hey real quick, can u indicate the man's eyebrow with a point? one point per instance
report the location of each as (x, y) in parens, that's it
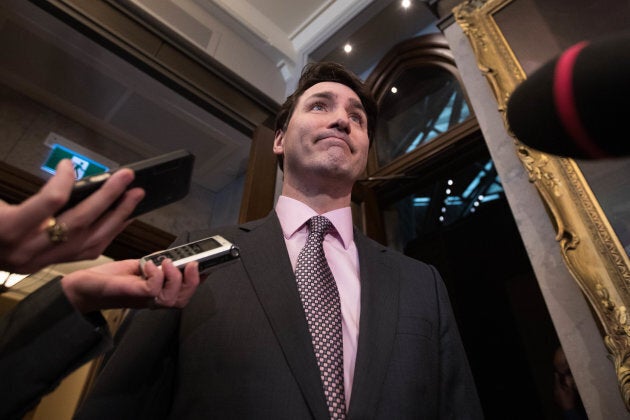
(354, 103)
(324, 95)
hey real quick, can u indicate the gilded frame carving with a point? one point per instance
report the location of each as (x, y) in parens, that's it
(589, 246)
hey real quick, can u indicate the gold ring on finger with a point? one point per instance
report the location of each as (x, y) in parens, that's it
(57, 231)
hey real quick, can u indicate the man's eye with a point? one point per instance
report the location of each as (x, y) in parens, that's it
(357, 118)
(318, 106)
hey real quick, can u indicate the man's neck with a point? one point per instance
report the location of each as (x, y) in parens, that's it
(320, 200)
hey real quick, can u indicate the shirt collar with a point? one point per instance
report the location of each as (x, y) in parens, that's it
(293, 214)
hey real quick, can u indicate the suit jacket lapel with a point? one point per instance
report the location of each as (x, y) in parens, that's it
(377, 329)
(267, 263)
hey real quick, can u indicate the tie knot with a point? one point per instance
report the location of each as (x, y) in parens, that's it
(320, 225)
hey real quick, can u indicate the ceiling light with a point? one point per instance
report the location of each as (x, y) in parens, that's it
(347, 48)
(394, 89)
(406, 3)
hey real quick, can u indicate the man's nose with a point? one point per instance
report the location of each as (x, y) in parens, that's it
(341, 122)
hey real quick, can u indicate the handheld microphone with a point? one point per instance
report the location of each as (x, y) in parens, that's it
(575, 105)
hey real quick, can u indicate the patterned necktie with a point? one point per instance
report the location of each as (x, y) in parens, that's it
(320, 299)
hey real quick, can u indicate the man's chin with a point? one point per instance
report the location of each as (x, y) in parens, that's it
(339, 173)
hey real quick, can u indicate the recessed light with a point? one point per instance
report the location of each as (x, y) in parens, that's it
(347, 48)
(394, 89)
(406, 3)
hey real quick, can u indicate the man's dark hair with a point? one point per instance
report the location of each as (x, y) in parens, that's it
(314, 73)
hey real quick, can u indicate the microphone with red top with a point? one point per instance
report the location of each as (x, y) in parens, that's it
(578, 104)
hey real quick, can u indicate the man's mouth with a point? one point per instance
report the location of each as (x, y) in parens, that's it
(334, 137)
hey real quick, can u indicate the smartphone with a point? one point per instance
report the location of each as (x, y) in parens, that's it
(208, 252)
(165, 179)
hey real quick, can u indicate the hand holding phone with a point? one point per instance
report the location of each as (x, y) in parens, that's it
(33, 234)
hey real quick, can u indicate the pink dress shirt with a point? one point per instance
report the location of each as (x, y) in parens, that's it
(343, 258)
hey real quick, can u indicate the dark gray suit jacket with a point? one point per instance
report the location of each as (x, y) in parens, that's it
(241, 348)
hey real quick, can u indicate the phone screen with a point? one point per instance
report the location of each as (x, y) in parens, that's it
(184, 251)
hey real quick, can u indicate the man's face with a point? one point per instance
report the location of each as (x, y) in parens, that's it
(326, 135)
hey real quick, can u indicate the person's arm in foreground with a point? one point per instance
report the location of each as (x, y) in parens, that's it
(58, 328)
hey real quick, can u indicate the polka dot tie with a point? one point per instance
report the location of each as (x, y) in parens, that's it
(320, 299)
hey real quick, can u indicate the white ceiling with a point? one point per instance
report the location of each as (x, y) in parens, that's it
(288, 17)
(298, 22)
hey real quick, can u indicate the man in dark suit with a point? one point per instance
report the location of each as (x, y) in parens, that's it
(244, 346)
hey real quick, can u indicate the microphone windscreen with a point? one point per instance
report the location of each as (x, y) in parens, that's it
(575, 105)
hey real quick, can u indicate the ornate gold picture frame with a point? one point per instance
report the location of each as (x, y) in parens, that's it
(590, 248)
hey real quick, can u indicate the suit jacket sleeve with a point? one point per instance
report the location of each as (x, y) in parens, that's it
(458, 393)
(137, 380)
(42, 340)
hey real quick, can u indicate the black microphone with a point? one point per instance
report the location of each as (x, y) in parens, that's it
(576, 105)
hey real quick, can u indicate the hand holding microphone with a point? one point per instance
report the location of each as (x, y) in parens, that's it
(576, 104)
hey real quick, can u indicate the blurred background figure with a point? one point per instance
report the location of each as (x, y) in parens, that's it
(565, 392)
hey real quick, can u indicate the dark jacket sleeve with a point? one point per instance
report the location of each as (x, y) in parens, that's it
(458, 393)
(137, 380)
(42, 340)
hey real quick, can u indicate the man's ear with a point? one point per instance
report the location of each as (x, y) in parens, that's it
(278, 143)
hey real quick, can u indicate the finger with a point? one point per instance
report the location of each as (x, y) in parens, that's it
(172, 283)
(129, 266)
(52, 196)
(102, 199)
(127, 204)
(189, 285)
(114, 222)
(96, 237)
(191, 276)
(154, 278)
